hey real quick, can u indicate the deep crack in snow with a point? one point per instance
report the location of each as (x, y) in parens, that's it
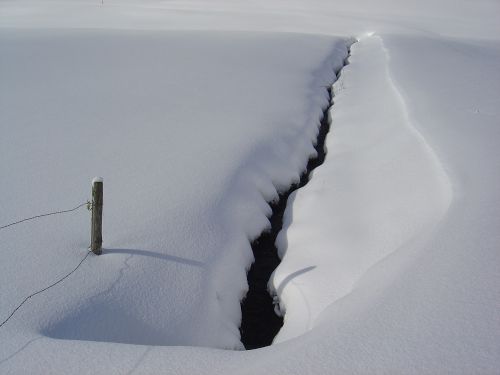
(260, 324)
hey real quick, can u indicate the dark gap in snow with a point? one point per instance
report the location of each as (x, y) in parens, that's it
(260, 324)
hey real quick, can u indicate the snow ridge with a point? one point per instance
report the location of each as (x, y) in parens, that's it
(439, 168)
(378, 168)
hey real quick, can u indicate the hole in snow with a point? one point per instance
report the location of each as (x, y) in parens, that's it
(260, 319)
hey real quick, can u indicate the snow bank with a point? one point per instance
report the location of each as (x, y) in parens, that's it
(381, 188)
(411, 237)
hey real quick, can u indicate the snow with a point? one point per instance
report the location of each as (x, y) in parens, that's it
(197, 113)
(188, 173)
(377, 156)
(392, 222)
(97, 179)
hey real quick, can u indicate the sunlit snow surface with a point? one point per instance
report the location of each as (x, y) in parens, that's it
(195, 113)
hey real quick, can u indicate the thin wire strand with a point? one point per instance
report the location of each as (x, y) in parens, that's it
(44, 289)
(42, 215)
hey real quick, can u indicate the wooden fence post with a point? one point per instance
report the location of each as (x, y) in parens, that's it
(96, 226)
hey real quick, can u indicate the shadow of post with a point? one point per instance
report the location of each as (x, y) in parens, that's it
(147, 253)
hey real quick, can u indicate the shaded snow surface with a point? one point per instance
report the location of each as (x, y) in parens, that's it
(196, 114)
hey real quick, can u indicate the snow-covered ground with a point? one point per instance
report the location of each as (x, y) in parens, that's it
(196, 113)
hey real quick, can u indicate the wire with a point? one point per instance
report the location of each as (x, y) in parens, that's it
(42, 215)
(44, 289)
